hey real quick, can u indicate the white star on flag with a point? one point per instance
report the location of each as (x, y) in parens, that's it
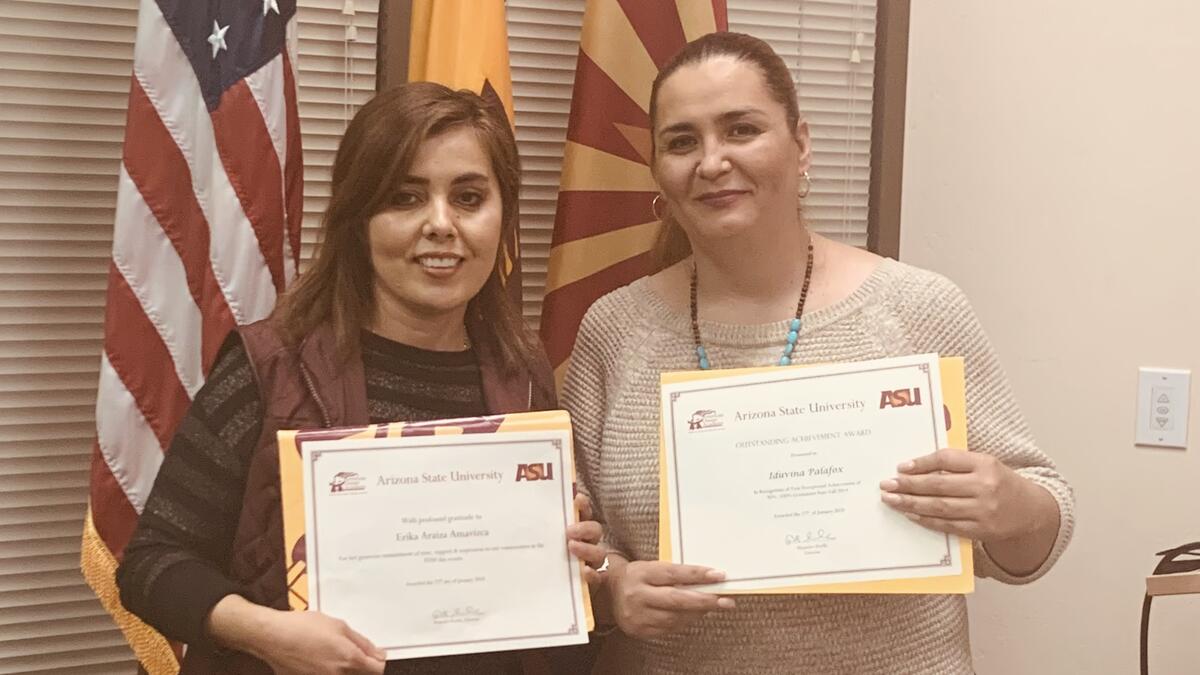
(217, 39)
(270, 5)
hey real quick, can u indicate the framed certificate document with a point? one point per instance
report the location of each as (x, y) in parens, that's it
(437, 538)
(772, 475)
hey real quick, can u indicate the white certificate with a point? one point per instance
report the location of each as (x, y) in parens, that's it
(435, 545)
(773, 477)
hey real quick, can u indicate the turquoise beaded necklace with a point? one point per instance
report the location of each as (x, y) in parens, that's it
(793, 333)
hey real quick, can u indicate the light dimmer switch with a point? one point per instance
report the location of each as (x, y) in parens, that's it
(1162, 411)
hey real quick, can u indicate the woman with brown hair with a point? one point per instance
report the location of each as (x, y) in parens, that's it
(745, 283)
(402, 317)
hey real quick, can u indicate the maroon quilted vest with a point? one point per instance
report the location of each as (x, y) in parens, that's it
(309, 387)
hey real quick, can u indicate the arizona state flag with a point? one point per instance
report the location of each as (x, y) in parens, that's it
(463, 44)
(604, 227)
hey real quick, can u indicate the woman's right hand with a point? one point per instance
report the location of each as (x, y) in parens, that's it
(649, 601)
(299, 643)
(311, 642)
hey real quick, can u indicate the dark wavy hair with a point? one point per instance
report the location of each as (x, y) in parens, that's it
(375, 154)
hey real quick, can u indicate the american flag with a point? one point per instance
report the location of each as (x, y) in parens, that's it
(207, 234)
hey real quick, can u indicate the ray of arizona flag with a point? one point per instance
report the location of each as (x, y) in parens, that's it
(604, 228)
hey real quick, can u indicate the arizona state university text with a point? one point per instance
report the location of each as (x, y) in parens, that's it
(793, 410)
(452, 477)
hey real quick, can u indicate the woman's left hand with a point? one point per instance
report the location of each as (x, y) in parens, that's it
(583, 540)
(969, 494)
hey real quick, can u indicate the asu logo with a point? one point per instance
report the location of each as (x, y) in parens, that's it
(900, 398)
(531, 472)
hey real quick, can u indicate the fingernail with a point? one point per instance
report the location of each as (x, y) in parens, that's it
(905, 467)
(889, 485)
(714, 575)
(890, 498)
(726, 603)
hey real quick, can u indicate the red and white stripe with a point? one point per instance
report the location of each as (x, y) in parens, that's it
(207, 235)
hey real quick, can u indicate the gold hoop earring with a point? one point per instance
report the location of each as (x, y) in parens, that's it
(655, 206)
(807, 185)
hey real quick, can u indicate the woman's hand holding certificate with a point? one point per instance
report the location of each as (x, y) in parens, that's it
(961, 493)
(650, 597)
(293, 643)
(583, 542)
(958, 493)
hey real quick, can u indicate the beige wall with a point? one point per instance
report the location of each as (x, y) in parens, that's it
(1052, 169)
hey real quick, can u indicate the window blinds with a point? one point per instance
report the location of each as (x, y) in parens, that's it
(543, 44)
(336, 76)
(65, 84)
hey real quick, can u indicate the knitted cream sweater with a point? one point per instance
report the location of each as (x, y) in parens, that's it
(631, 335)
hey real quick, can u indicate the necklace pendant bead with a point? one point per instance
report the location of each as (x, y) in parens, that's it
(795, 327)
(792, 336)
(785, 361)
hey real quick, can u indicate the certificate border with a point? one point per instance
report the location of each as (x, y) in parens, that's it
(572, 574)
(946, 560)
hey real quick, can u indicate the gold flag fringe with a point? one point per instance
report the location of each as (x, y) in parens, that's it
(99, 569)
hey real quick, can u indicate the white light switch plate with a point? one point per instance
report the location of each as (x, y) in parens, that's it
(1162, 411)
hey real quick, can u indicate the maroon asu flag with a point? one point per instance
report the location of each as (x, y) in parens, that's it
(604, 227)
